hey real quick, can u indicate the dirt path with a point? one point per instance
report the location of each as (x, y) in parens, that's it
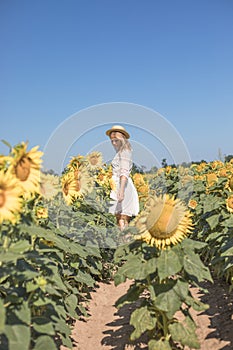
(109, 329)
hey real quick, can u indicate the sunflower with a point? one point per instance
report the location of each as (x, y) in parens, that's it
(211, 179)
(164, 222)
(229, 184)
(223, 172)
(168, 169)
(41, 212)
(49, 185)
(229, 203)
(26, 167)
(94, 160)
(216, 164)
(138, 179)
(192, 203)
(76, 184)
(76, 162)
(10, 200)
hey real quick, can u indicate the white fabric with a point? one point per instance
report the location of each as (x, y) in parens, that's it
(122, 165)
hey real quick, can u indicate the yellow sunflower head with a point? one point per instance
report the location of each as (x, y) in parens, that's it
(41, 212)
(229, 184)
(10, 197)
(76, 184)
(216, 164)
(192, 203)
(138, 179)
(94, 160)
(229, 203)
(211, 179)
(26, 168)
(200, 167)
(76, 162)
(223, 172)
(164, 222)
(168, 169)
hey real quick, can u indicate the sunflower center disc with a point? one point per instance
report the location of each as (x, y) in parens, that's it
(163, 225)
(22, 169)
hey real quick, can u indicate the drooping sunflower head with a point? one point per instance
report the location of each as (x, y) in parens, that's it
(229, 203)
(76, 184)
(164, 222)
(94, 160)
(10, 197)
(26, 167)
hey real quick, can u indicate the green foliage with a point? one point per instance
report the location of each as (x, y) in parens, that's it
(48, 268)
(160, 288)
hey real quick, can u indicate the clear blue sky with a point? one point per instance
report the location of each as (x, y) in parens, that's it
(172, 56)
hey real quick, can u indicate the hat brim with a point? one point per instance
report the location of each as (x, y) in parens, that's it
(124, 132)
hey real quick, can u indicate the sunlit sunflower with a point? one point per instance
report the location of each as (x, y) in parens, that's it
(211, 179)
(49, 185)
(10, 200)
(76, 184)
(160, 171)
(229, 184)
(26, 167)
(94, 160)
(200, 167)
(229, 204)
(168, 169)
(41, 212)
(138, 179)
(192, 203)
(216, 164)
(223, 172)
(112, 184)
(164, 222)
(199, 177)
(76, 162)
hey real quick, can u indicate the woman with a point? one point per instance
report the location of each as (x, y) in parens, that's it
(124, 199)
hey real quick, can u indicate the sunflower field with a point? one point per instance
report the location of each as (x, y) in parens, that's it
(58, 240)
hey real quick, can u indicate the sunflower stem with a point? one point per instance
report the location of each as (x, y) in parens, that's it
(165, 324)
(6, 243)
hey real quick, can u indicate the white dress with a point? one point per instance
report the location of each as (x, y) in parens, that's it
(122, 165)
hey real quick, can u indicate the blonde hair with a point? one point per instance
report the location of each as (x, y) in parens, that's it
(125, 144)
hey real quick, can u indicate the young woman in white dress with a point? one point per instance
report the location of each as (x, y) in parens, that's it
(124, 201)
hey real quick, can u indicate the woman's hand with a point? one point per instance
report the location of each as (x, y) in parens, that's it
(120, 196)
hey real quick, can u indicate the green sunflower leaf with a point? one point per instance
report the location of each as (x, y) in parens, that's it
(142, 320)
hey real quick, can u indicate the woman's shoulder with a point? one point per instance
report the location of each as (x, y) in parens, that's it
(126, 153)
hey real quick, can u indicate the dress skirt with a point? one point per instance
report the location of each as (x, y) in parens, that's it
(130, 204)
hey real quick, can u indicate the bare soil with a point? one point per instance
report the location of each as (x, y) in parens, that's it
(108, 328)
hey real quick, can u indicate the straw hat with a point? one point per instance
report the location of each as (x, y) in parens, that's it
(118, 128)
